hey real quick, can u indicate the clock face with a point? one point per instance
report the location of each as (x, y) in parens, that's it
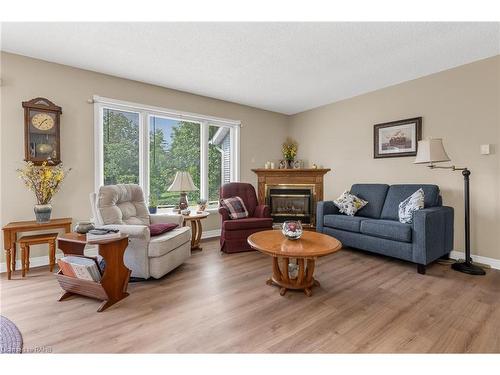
(42, 121)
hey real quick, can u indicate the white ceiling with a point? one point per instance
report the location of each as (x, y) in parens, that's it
(282, 67)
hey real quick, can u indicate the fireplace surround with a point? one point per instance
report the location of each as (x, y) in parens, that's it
(291, 194)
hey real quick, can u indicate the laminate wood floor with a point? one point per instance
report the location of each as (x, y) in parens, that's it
(220, 303)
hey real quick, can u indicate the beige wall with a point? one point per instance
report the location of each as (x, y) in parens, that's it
(24, 78)
(460, 105)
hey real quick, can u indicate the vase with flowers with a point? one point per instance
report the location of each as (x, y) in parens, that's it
(45, 181)
(289, 151)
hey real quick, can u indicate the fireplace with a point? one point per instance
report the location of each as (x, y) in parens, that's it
(291, 203)
(291, 194)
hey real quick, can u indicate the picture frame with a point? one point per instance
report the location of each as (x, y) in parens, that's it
(397, 138)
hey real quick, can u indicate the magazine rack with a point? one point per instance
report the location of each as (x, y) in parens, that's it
(114, 282)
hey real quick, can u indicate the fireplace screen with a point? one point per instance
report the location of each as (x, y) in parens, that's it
(290, 204)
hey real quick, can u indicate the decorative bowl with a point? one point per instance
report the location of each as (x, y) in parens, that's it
(292, 229)
(83, 227)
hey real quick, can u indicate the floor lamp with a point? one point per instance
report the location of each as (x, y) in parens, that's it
(432, 151)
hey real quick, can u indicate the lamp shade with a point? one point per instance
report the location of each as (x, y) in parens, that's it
(431, 151)
(182, 182)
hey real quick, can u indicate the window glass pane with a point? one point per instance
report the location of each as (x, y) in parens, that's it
(219, 160)
(121, 147)
(173, 146)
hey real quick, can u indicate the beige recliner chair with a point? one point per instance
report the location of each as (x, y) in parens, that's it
(122, 207)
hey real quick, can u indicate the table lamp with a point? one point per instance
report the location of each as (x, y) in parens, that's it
(432, 151)
(182, 183)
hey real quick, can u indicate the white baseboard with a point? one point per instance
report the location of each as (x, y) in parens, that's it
(493, 263)
(210, 234)
(44, 260)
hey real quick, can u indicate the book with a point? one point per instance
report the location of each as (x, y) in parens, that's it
(65, 268)
(83, 267)
(100, 237)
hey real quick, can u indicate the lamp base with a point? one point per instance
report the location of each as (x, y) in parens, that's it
(183, 202)
(469, 268)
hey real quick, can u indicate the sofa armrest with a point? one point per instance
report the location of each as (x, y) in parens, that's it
(166, 219)
(262, 210)
(432, 233)
(224, 214)
(324, 208)
(134, 231)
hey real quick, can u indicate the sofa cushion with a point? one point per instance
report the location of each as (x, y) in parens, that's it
(389, 229)
(398, 193)
(349, 204)
(248, 223)
(374, 194)
(344, 222)
(411, 204)
(160, 228)
(166, 242)
(235, 206)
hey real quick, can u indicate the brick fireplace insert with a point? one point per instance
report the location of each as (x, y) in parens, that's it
(291, 194)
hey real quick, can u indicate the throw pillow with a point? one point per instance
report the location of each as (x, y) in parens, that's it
(349, 204)
(235, 207)
(160, 228)
(411, 204)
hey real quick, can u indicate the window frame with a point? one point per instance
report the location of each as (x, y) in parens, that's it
(145, 112)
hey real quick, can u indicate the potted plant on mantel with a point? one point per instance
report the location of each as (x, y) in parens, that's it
(45, 181)
(289, 151)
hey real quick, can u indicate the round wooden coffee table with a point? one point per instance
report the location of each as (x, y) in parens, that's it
(306, 249)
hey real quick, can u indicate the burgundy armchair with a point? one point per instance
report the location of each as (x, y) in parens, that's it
(235, 232)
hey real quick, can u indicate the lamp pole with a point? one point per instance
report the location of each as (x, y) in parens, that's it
(466, 266)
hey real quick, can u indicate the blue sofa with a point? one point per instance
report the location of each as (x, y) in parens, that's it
(376, 227)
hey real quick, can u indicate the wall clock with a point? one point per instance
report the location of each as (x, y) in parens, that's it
(42, 131)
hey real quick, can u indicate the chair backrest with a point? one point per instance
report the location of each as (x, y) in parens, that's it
(374, 194)
(243, 190)
(120, 204)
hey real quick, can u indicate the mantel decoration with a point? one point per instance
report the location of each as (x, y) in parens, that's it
(432, 151)
(45, 181)
(397, 138)
(289, 150)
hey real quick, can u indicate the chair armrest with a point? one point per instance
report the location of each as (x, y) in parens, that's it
(432, 233)
(133, 231)
(166, 219)
(324, 208)
(224, 214)
(262, 210)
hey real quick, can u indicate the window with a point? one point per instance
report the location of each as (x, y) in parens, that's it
(174, 145)
(120, 147)
(147, 145)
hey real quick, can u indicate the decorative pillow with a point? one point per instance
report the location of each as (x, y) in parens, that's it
(160, 228)
(349, 204)
(235, 207)
(411, 204)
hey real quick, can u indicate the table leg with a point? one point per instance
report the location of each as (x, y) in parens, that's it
(23, 260)
(52, 255)
(7, 263)
(196, 231)
(13, 256)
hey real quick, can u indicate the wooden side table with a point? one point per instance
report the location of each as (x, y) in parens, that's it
(37, 239)
(11, 230)
(114, 282)
(196, 228)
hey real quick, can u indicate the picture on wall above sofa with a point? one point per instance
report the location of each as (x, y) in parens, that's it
(397, 138)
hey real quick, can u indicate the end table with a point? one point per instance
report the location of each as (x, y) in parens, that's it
(196, 228)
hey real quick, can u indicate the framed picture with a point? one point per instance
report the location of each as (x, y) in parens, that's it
(397, 138)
